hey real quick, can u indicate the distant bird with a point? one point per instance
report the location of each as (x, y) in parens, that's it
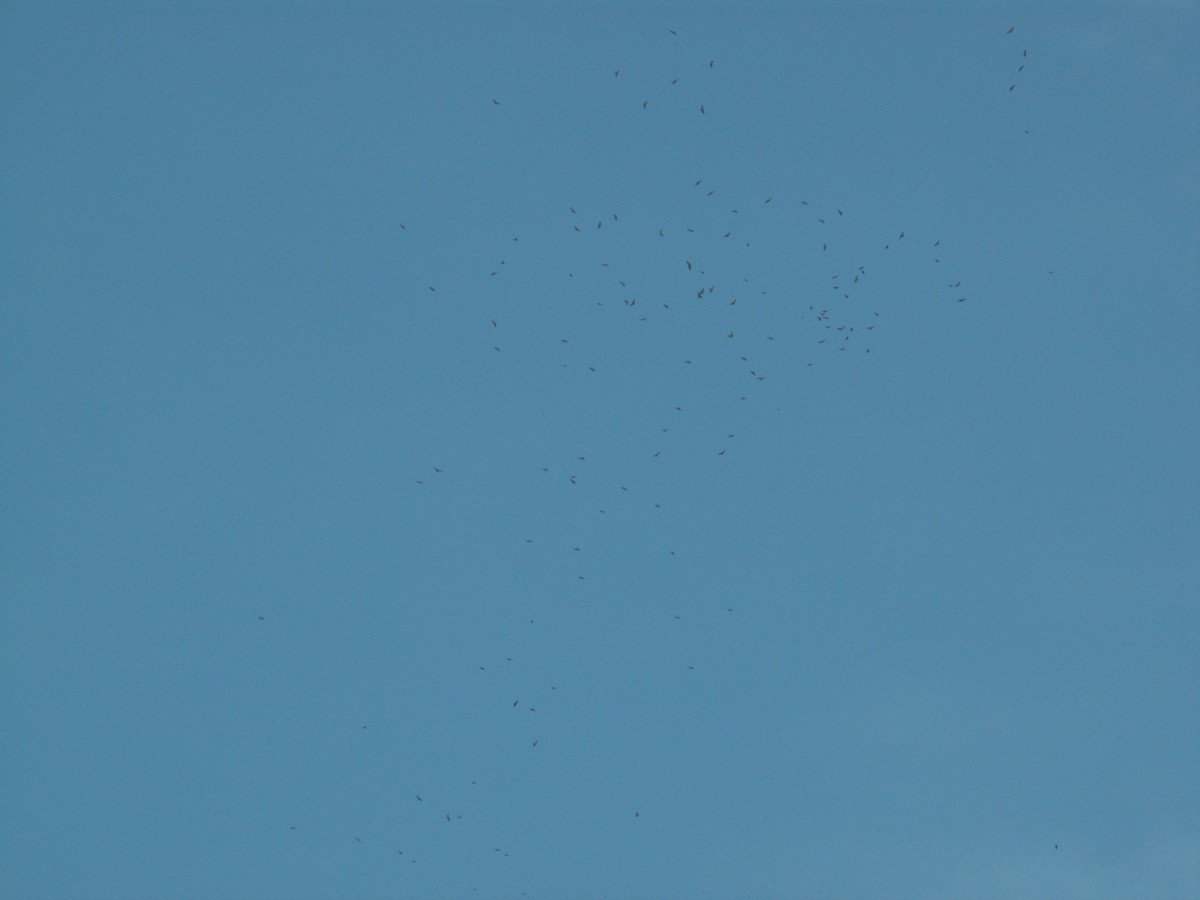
(616, 73)
(1010, 31)
(262, 618)
(701, 109)
(418, 796)
(494, 100)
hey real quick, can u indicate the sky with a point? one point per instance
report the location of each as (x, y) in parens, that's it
(600, 450)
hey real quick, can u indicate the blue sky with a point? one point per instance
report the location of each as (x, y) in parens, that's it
(516, 450)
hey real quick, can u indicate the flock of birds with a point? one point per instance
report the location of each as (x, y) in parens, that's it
(699, 244)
